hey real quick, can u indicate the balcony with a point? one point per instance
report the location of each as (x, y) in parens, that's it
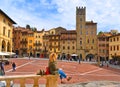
(51, 80)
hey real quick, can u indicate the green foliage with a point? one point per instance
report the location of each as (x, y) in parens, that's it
(28, 26)
(100, 32)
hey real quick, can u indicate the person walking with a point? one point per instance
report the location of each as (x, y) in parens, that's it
(2, 68)
(79, 59)
(13, 66)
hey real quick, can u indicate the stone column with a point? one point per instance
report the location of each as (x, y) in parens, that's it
(52, 81)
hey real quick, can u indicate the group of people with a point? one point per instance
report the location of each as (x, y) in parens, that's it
(2, 71)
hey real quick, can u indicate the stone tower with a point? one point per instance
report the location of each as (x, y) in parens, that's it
(86, 44)
(80, 29)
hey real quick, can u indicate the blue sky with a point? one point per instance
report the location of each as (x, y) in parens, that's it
(49, 14)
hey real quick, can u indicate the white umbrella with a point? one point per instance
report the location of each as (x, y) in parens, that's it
(11, 53)
(74, 55)
(3, 54)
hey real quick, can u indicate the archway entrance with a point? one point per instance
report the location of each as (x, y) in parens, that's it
(63, 57)
(89, 57)
(3, 46)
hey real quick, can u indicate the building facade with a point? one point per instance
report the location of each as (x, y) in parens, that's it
(23, 41)
(86, 42)
(68, 43)
(103, 46)
(82, 41)
(6, 28)
(30, 45)
(38, 43)
(114, 47)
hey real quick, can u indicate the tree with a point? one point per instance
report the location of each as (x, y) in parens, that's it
(100, 32)
(28, 26)
(34, 29)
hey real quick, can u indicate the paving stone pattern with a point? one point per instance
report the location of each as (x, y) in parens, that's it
(89, 84)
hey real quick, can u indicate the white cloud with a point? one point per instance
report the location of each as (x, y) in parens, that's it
(62, 13)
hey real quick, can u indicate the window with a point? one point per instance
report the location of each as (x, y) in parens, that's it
(88, 40)
(80, 42)
(68, 47)
(52, 32)
(8, 33)
(111, 48)
(80, 19)
(117, 38)
(73, 47)
(118, 47)
(63, 47)
(114, 39)
(111, 40)
(91, 47)
(54, 43)
(4, 20)
(80, 47)
(4, 28)
(114, 48)
(9, 24)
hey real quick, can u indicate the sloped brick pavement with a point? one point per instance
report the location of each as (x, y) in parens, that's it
(83, 72)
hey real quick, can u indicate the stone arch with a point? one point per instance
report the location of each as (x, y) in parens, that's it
(8, 47)
(3, 45)
(89, 57)
(63, 56)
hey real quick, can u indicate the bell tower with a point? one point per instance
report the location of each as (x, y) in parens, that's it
(81, 31)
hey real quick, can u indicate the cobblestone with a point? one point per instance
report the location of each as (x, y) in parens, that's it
(89, 84)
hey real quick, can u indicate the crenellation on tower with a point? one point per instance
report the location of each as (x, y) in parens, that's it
(80, 10)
